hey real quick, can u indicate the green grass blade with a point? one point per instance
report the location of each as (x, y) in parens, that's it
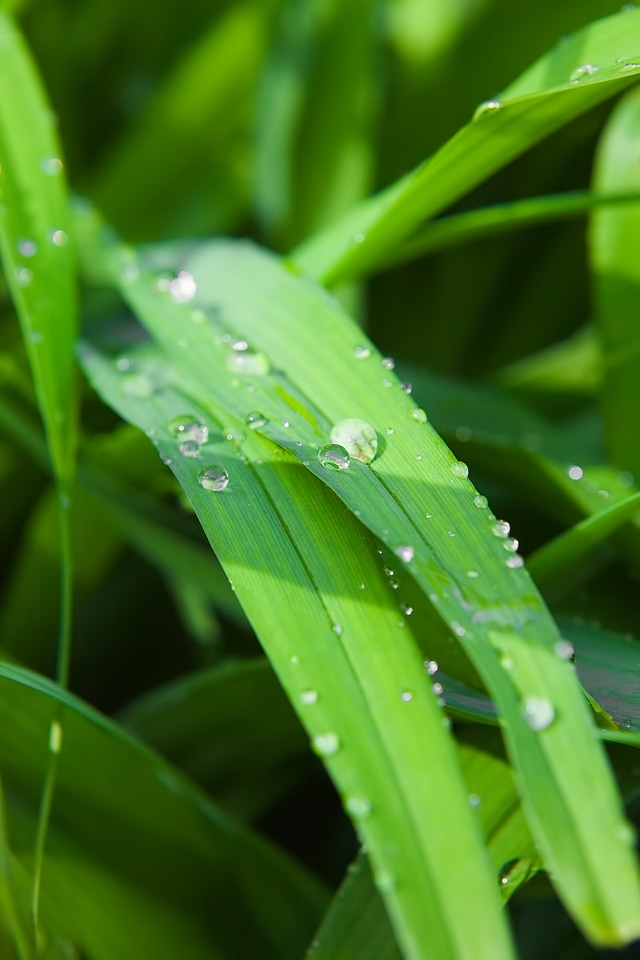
(614, 241)
(544, 98)
(149, 870)
(490, 615)
(370, 712)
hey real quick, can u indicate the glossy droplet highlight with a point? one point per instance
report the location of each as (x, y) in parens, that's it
(59, 238)
(357, 437)
(407, 387)
(575, 472)
(326, 744)
(255, 420)
(460, 469)
(515, 561)
(361, 352)
(388, 363)
(308, 697)
(406, 696)
(431, 666)
(538, 712)
(249, 363)
(333, 456)
(501, 529)
(419, 415)
(358, 807)
(582, 72)
(186, 427)
(485, 108)
(182, 288)
(51, 166)
(214, 478)
(405, 553)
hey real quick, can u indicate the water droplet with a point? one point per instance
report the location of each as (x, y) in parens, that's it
(405, 553)
(575, 472)
(431, 667)
(130, 273)
(137, 385)
(406, 696)
(362, 586)
(457, 628)
(240, 346)
(538, 712)
(334, 457)
(501, 529)
(182, 288)
(27, 248)
(357, 437)
(55, 737)
(451, 533)
(390, 432)
(474, 800)
(358, 237)
(59, 238)
(359, 807)
(406, 610)
(565, 650)
(24, 276)
(626, 479)
(388, 363)
(473, 574)
(385, 882)
(585, 70)
(418, 414)
(428, 516)
(51, 166)
(255, 420)
(361, 352)
(463, 434)
(187, 427)
(515, 561)
(337, 629)
(480, 502)
(485, 108)
(326, 744)
(308, 697)
(249, 363)
(293, 659)
(189, 449)
(460, 469)
(511, 544)
(214, 478)
(407, 387)
(166, 460)
(438, 689)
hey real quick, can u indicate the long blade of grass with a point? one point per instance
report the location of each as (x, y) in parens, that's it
(457, 556)
(296, 558)
(579, 73)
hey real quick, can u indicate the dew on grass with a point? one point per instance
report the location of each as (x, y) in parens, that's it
(388, 363)
(326, 744)
(501, 528)
(182, 288)
(385, 882)
(390, 431)
(473, 574)
(166, 460)
(51, 166)
(480, 502)
(538, 712)
(474, 800)
(485, 108)
(581, 72)
(406, 609)
(515, 561)
(419, 415)
(214, 478)
(187, 427)
(337, 629)
(333, 456)
(361, 352)
(407, 387)
(248, 363)
(24, 276)
(405, 553)
(358, 806)
(255, 420)
(565, 650)
(431, 666)
(357, 437)
(27, 248)
(575, 472)
(59, 238)
(460, 469)
(308, 697)
(406, 696)
(189, 449)
(457, 628)
(438, 689)
(511, 544)
(240, 346)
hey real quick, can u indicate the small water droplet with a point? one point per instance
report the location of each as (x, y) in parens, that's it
(334, 457)
(511, 544)
(385, 882)
(388, 363)
(166, 460)
(626, 479)
(419, 415)
(575, 472)
(565, 650)
(59, 238)
(51, 166)
(326, 744)
(137, 385)
(438, 689)
(451, 533)
(431, 667)
(460, 469)
(390, 432)
(214, 478)
(480, 502)
(27, 248)
(515, 561)
(249, 363)
(473, 574)
(501, 529)
(581, 72)
(293, 659)
(457, 628)
(337, 629)
(406, 696)
(463, 434)
(358, 237)
(362, 586)
(474, 800)
(255, 420)
(187, 427)
(359, 807)
(308, 697)
(485, 108)
(357, 437)
(428, 516)
(538, 712)
(24, 276)
(407, 387)
(240, 346)
(182, 288)
(361, 352)
(189, 449)
(406, 609)
(405, 553)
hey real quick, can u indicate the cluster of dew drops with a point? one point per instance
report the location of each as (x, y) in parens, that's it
(26, 247)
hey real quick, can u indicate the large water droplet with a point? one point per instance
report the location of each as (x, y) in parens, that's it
(214, 478)
(460, 469)
(249, 363)
(326, 744)
(538, 712)
(187, 427)
(255, 420)
(357, 437)
(405, 553)
(333, 456)
(359, 807)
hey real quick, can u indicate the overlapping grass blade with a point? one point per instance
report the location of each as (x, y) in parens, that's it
(614, 244)
(149, 871)
(324, 372)
(583, 70)
(297, 558)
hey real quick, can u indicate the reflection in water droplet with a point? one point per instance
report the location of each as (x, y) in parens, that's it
(214, 478)
(183, 287)
(501, 528)
(334, 457)
(255, 420)
(538, 712)
(431, 667)
(189, 449)
(390, 432)
(357, 437)
(326, 744)
(59, 238)
(24, 276)
(460, 469)
(407, 387)
(361, 352)
(358, 807)
(419, 415)
(166, 460)
(337, 629)
(406, 609)
(388, 363)
(308, 697)
(187, 427)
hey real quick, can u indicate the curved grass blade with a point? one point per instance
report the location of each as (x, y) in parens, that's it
(490, 615)
(579, 73)
(140, 864)
(297, 558)
(614, 242)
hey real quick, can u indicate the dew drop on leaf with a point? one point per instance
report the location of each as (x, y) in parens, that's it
(538, 712)
(359, 807)
(418, 414)
(213, 478)
(357, 437)
(189, 449)
(187, 427)
(326, 744)
(255, 420)
(24, 276)
(501, 529)
(333, 456)
(308, 697)
(405, 553)
(515, 561)
(249, 363)
(361, 353)
(460, 469)
(27, 248)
